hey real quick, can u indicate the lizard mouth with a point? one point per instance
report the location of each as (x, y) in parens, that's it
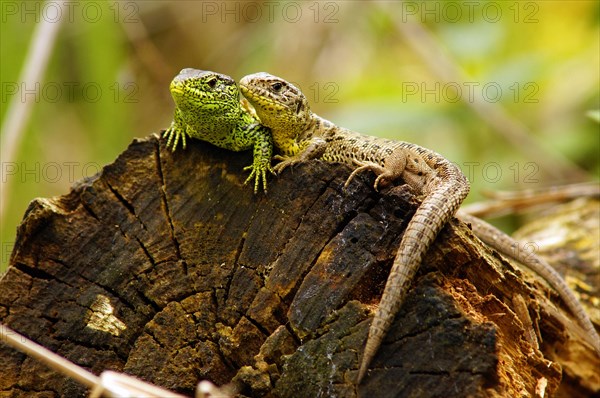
(177, 90)
(246, 90)
(250, 95)
(257, 97)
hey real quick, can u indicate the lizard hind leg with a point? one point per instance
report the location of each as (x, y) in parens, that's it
(285, 162)
(384, 175)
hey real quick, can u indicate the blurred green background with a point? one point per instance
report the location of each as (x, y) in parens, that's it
(364, 65)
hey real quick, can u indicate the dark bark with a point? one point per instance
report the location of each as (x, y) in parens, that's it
(166, 267)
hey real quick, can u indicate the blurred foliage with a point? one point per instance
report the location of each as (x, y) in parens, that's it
(113, 62)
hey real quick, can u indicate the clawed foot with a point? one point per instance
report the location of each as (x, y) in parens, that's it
(380, 171)
(259, 173)
(285, 162)
(307, 150)
(173, 134)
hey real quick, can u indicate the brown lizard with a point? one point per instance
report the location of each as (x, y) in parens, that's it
(300, 135)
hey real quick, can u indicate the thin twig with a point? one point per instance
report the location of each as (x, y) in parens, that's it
(441, 64)
(148, 54)
(110, 384)
(19, 109)
(47, 357)
(504, 202)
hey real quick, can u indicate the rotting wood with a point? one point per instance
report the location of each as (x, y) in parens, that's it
(166, 267)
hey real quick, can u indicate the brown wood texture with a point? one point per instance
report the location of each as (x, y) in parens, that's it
(165, 266)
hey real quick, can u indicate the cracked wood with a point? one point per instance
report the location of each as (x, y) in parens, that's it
(166, 267)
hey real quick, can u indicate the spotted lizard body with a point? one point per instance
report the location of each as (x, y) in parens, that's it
(208, 108)
(300, 134)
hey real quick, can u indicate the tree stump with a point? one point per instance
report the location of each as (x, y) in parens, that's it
(166, 267)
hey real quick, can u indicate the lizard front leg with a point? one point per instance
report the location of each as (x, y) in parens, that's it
(176, 130)
(262, 152)
(308, 149)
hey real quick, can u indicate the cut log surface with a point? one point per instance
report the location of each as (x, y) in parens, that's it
(166, 267)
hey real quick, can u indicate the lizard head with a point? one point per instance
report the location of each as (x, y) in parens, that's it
(206, 97)
(279, 104)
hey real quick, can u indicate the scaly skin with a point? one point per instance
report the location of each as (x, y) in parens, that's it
(300, 135)
(513, 249)
(208, 108)
(283, 108)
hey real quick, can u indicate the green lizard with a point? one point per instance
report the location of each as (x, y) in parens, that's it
(199, 93)
(208, 108)
(300, 135)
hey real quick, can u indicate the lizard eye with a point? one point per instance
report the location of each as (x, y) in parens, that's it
(277, 86)
(212, 83)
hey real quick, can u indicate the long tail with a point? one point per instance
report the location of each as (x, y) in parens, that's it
(431, 216)
(510, 248)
